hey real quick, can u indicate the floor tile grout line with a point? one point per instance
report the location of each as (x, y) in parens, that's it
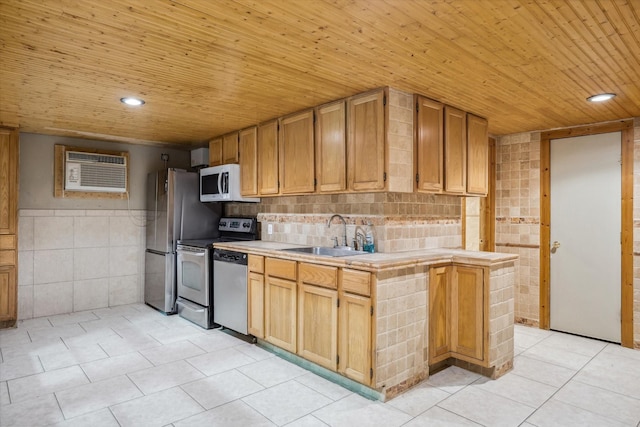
(607, 390)
(567, 382)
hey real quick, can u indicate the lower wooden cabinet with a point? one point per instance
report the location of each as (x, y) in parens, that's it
(280, 304)
(255, 296)
(467, 312)
(322, 313)
(8, 286)
(318, 314)
(439, 313)
(355, 320)
(457, 313)
(256, 304)
(318, 325)
(355, 337)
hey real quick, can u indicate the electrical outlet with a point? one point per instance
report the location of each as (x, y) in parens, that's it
(269, 228)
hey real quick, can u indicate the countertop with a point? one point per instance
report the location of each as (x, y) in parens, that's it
(375, 261)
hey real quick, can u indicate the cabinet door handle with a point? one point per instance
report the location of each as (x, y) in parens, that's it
(555, 247)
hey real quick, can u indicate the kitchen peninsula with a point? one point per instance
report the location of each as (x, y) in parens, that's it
(384, 319)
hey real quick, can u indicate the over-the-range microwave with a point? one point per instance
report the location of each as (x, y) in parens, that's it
(222, 184)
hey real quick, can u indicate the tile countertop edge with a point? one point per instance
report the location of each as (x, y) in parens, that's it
(376, 261)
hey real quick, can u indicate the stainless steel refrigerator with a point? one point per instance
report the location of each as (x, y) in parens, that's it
(174, 212)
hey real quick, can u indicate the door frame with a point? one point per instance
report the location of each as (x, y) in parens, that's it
(625, 127)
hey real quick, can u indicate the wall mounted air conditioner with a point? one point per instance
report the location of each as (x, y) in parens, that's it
(95, 172)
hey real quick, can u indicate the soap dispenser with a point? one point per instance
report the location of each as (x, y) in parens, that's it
(369, 244)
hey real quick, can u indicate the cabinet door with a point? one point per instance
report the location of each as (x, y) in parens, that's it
(230, 148)
(467, 312)
(331, 147)
(248, 152)
(8, 180)
(280, 313)
(439, 314)
(477, 155)
(366, 142)
(256, 304)
(215, 152)
(297, 165)
(455, 150)
(355, 338)
(429, 145)
(8, 286)
(318, 325)
(268, 158)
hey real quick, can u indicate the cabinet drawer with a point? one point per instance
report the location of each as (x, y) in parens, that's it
(256, 263)
(8, 258)
(8, 241)
(319, 275)
(280, 268)
(357, 282)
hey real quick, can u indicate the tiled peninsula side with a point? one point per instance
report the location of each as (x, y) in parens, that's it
(401, 312)
(402, 324)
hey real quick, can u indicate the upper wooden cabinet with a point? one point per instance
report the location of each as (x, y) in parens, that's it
(366, 141)
(344, 146)
(455, 150)
(429, 145)
(9, 158)
(477, 155)
(215, 152)
(297, 165)
(224, 150)
(268, 183)
(248, 152)
(230, 148)
(8, 181)
(331, 148)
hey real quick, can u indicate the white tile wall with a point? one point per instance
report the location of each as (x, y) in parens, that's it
(74, 260)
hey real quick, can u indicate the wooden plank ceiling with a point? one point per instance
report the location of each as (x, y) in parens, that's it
(206, 67)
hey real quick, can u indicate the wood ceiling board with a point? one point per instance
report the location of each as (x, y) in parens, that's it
(206, 68)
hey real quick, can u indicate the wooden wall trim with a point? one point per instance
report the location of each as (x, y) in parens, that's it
(626, 282)
(463, 221)
(488, 205)
(626, 296)
(545, 230)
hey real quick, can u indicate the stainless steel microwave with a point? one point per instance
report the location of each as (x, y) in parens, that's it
(222, 184)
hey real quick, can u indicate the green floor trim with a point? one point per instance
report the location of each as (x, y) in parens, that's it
(325, 373)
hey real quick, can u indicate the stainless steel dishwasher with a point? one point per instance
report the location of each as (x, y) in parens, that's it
(230, 289)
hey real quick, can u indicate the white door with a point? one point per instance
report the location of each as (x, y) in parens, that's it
(586, 224)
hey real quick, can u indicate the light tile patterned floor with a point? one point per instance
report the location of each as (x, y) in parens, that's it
(132, 366)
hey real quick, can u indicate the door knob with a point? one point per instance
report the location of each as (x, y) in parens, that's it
(555, 247)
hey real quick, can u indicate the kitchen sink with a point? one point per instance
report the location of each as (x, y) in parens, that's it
(325, 251)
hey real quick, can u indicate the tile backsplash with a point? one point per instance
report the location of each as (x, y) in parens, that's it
(399, 221)
(74, 260)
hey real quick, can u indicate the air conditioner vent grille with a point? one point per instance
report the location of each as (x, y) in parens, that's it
(95, 172)
(102, 176)
(90, 157)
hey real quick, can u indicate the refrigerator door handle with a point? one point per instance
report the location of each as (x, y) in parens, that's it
(153, 251)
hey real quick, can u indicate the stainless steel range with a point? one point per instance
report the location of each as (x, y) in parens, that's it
(195, 270)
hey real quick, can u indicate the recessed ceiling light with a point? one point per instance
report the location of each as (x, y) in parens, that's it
(601, 97)
(134, 102)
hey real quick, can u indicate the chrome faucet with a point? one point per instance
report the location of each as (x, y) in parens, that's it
(344, 225)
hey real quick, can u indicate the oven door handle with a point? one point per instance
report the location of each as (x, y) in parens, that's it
(190, 253)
